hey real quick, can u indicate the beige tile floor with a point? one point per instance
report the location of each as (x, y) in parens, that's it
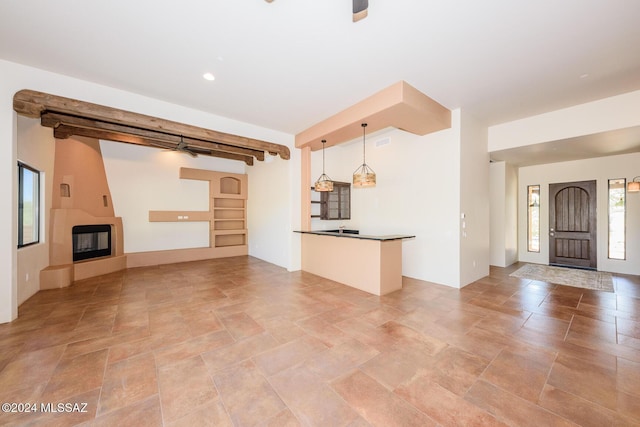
(242, 342)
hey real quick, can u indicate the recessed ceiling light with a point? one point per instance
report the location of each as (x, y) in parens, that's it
(209, 76)
(584, 76)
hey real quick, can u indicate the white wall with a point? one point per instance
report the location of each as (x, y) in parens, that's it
(8, 186)
(616, 112)
(600, 169)
(497, 180)
(511, 215)
(504, 214)
(274, 209)
(474, 201)
(143, 179)
(36, 148)
(14, 77)
(417, 193)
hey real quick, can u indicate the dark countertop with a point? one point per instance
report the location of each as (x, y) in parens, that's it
(357, 236)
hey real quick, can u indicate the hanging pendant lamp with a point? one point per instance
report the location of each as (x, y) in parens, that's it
(323, 183)
(364, 176)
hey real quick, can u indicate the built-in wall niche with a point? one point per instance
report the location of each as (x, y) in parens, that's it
(65, 190)
(227, 213)
(230, 185)
(224, 240)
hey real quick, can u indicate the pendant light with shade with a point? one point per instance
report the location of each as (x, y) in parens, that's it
(323, 183)
(364, 176)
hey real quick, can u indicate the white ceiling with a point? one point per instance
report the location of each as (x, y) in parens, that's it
(289, 64)
(620, 141)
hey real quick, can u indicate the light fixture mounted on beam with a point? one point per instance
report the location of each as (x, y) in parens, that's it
(364, 176)
(633, 186)
(323, 183)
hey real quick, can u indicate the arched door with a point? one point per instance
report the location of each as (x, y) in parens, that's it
(572, 224)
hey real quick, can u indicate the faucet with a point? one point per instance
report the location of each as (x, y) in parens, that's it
(341, 229)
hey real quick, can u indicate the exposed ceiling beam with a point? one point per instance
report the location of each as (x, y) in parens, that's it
(76, 126)
(34, 104)
(64, 131)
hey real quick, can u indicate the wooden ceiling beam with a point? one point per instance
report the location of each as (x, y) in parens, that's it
(74, 126)
(65, 131)
(34, 104)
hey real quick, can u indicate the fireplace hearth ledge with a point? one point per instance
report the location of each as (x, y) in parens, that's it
(61, 276)
(62, 271)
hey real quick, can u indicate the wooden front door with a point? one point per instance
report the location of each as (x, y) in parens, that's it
(572, 224)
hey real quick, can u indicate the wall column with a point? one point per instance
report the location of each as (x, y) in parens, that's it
(8, 215)
(305, 193)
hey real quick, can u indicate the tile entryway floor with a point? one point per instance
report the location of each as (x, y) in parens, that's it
(242, 342)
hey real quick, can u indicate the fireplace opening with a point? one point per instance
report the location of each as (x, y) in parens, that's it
(91, 241)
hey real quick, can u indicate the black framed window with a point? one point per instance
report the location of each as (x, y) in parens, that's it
(28, 205)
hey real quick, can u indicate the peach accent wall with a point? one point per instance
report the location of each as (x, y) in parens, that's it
(36, 147)
(369, 265)
(78, 163)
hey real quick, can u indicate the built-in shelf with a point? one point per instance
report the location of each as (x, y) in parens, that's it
(227, 214)
(220, 203)
(228, 229)
(225, 240)
(228, 224)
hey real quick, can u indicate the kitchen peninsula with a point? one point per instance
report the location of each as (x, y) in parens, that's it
(369, 263)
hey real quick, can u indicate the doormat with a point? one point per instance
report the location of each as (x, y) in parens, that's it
(598, 280)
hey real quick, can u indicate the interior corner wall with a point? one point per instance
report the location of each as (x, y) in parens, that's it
(417, 193)
(474, 201)
(600, 169)
(503, 179)
(36, 148)
(274, 209)
(510, 224)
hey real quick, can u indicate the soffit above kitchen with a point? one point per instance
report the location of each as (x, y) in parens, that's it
(400, 106)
